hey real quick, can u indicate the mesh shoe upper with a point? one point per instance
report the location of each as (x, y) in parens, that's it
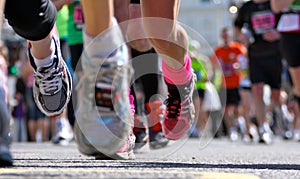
(104, 114)
(180, 110)
(104, 118)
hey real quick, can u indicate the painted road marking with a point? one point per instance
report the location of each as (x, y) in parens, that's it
(199, 175)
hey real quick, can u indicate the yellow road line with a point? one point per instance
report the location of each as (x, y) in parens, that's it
(197, 174)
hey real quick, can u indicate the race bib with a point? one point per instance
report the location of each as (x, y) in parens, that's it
(243, 61)
(228, 69)
(78, 17)
(262, 21)
(288, 22)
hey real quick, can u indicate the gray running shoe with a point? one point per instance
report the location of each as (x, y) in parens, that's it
(53, 84)
(104, 119)
(157, 139)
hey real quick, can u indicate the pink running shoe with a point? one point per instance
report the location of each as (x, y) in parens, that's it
(180, 110)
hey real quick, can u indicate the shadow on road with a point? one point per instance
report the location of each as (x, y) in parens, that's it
(71, 163)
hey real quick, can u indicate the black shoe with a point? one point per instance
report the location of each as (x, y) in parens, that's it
(141, 140)
(157, 139)
(5, 157)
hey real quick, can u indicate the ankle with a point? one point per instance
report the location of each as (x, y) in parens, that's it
(180, 76)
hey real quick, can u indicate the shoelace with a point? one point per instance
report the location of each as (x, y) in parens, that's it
(49, 82)
(173, 104)
(177, 98)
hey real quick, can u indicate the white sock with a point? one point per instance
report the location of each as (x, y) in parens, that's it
(105, 43)
(46, 61)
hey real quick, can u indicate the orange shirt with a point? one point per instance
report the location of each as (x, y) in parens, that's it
(228, 59)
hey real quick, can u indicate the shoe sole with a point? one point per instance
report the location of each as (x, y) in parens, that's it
(158, 145)
(144, 149)
(6, 163)
(139, 145)
(117, 156)
(88, 149)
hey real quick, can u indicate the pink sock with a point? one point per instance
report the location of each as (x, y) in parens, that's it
(180, 76)
(131, 101)
(132, 107)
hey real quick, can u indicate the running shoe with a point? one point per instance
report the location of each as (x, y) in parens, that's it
(253, 133)
(233, 135)
(180, 110)
(5, 156)
(156, 111)
(265, 135)
(157, 139)
(124, 153)
(64, 133)
(287, 135)
(141, 142)
(296, 135)
(140, 133)
(265, 138)
(104, 120)
(246, 139)
(53, 84)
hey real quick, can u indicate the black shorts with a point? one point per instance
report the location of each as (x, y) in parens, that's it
(290, 48)
(232, 96)
(248, 88)
(266, 70)
(134, 1)
(76, 51)
(31, 19)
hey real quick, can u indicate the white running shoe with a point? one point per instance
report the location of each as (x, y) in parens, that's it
(104, 120)
(64, 133)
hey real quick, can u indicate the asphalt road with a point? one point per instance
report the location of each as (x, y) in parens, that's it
(218, 158)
